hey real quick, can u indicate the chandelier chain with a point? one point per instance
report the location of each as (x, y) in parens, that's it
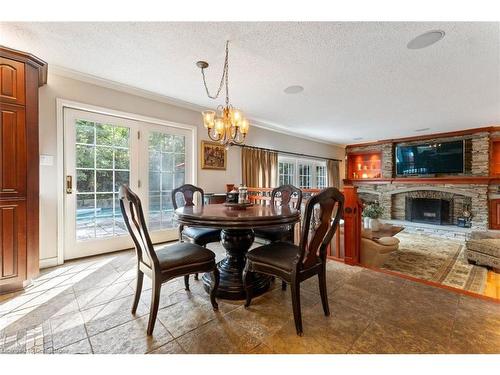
(223, 80)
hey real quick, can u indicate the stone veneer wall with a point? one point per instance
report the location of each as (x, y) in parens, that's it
(391, 197)
(476, 153)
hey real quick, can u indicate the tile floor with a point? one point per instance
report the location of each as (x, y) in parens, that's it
(84, 307)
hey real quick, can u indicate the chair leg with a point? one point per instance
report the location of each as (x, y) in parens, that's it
(247, 275)
(155, 302)
(322, 291)
(138, 290)
(196, 276)
(186, 282)
(297, 315)
(214, 287)
(283, 285)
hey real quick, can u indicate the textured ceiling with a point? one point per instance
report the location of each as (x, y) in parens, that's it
(359, 79)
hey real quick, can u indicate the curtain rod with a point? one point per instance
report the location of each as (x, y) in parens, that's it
(288, 152)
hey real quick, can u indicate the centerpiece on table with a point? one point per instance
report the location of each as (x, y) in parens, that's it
(371, 213)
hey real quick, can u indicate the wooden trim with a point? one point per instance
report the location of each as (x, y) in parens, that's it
(457, 133)
(428, 180)
(32, 172)
(432, 283)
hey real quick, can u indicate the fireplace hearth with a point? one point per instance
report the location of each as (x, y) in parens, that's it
(428, 210)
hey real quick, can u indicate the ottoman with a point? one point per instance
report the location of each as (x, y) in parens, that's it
(483, 248)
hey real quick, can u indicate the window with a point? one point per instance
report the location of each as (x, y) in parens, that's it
(305, 176)
(303, 173)
(286, 173)
(321, 176)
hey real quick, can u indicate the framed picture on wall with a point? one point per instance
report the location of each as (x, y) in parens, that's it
(213, 155)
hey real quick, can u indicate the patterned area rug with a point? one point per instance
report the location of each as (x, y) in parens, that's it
(435, 259)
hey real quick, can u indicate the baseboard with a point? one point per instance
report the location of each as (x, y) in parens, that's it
(48, 262)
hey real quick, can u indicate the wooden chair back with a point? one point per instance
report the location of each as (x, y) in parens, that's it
(287, 194)
(133, 216)
(188, 193)
(319, 227)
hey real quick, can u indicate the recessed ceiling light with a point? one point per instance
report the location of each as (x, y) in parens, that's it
(357, 138)
(422, 129)
(426, 39)
(295, 89)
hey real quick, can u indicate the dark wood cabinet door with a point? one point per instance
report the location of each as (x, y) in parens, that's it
(12, 151)
(495, 214)
(12, 88)
(12, 241)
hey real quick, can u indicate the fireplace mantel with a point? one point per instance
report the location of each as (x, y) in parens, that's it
(459, 180)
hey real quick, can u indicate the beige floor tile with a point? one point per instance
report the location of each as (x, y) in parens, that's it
(386, 339)
(171, 347)
(218, 336)
(286, 341)
(100, 295)
(112, 314)
(79, 347)
(130, 338)
(187, 315)
(67, 329)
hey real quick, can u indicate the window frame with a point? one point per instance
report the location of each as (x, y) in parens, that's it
(296, 161)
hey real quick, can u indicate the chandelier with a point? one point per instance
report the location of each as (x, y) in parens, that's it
(226, 124)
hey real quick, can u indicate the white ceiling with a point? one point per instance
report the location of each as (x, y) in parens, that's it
(360, 79)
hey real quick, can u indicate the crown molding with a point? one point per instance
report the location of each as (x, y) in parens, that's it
(121, 87)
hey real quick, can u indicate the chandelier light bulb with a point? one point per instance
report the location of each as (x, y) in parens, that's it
(244, 126)
(236, 117)
(219, 125)
(208, 119)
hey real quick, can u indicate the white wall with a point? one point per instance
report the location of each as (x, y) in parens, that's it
(59, 86)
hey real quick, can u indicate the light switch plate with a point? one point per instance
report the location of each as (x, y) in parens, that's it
(47, 160)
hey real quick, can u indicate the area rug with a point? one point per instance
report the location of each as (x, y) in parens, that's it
(438, 260)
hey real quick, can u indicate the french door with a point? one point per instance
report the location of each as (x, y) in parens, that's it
(101, 153)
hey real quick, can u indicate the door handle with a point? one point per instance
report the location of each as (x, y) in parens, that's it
(69, 184)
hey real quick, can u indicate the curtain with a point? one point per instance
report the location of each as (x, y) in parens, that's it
(259, 168)
(333, 173)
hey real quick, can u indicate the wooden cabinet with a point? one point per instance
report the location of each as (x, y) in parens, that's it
(20, 76)
(12, 151)
(495, 214)
(13, 245)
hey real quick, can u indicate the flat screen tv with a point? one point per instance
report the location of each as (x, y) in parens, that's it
(430, 158)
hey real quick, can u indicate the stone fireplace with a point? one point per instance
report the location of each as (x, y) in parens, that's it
(433, 204)
(452, 199)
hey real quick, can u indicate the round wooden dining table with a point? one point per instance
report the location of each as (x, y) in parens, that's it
(237, 237)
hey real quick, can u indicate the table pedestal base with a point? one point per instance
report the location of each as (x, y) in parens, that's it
(236, 242)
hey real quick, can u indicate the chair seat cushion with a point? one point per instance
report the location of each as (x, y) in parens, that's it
(183, 254)
(277, 254)
(202, 236)
(273, 234)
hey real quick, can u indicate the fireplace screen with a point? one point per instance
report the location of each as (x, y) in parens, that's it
(426, 210)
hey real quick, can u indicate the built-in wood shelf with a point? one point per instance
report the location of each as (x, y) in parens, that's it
(367, 165)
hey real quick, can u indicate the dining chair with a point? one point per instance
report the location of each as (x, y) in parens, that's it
(294, 264)
(166, 263)
(281, 196)
(197, 235)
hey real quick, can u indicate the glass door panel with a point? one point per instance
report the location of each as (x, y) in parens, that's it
(166, 171)
(104, 152)
(98, 151)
